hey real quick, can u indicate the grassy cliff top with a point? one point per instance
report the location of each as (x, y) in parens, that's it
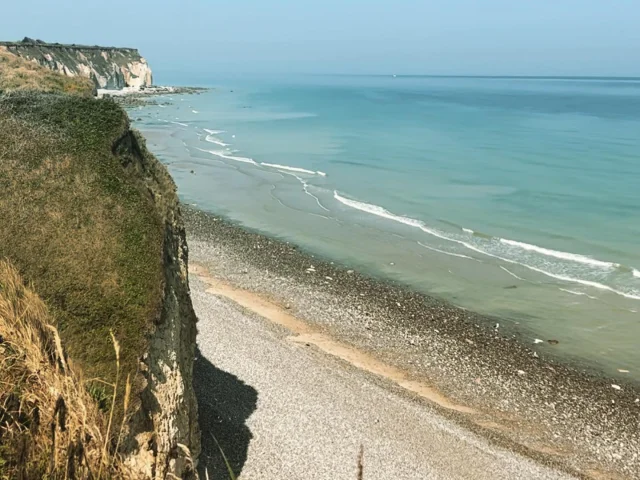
(26, 42)
(17, 73)
(80, 223)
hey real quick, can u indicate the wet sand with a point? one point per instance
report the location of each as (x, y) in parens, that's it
(496, 384)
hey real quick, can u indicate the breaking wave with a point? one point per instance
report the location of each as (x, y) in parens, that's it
(513, 254)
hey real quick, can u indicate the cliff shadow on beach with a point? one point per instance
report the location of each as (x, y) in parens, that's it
(224, 404)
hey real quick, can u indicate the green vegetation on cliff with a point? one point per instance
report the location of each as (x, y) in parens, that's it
(92, 267)
(17, 73)
(80, 224)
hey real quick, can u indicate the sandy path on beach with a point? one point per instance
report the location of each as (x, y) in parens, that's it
(285, 401)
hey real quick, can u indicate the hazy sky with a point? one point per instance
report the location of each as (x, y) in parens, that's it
(517, 37)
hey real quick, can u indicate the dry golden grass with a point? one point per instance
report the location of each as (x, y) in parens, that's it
(19, 74)
(50, 427)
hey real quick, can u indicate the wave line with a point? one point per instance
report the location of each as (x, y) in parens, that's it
(381, 212)
(512, 274)
(447, 253)
(574, 257)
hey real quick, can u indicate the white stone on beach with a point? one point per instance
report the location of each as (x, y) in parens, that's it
(616, 387)
(537, 340)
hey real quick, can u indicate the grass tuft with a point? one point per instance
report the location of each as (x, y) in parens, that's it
(232, 476)
(49, 425)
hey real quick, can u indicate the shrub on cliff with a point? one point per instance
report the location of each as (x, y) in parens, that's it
(19, 74)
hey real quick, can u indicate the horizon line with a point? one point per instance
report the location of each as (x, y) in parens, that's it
(420, 75)
(510, 76)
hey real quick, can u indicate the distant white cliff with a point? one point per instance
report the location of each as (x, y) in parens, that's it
(109, 67)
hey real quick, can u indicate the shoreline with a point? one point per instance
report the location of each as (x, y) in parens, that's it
(286, 402)
(509, 392)
(308, 335)
(133, 97)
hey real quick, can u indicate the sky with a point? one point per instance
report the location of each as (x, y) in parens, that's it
(448, 37)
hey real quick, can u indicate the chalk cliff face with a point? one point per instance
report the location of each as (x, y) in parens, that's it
(164, 437)
(108, 67)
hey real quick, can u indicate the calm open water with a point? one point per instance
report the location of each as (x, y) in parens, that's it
(517, 197)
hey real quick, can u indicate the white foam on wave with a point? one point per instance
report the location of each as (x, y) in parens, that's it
(573, 257)
(512, 274)
(636, 273)
(292, 169)
(446, 253)
(376, 210)
(213, 132)
(412, 222)
(582, 294)
(230, 157)
(381, 212)
(322, 174)
(179, 123)
(305, 187)
(273, 187)
(566, 278)
(468, 230)
(194, 111)
(285, 167)
(212, 139)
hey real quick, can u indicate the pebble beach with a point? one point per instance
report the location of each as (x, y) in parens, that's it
(504, 387)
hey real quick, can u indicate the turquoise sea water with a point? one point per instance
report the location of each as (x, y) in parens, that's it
(461, 187)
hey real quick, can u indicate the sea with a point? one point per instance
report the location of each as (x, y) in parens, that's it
(514, 197)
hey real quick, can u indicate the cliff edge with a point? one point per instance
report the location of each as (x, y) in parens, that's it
(108, 67)
(102, 243)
